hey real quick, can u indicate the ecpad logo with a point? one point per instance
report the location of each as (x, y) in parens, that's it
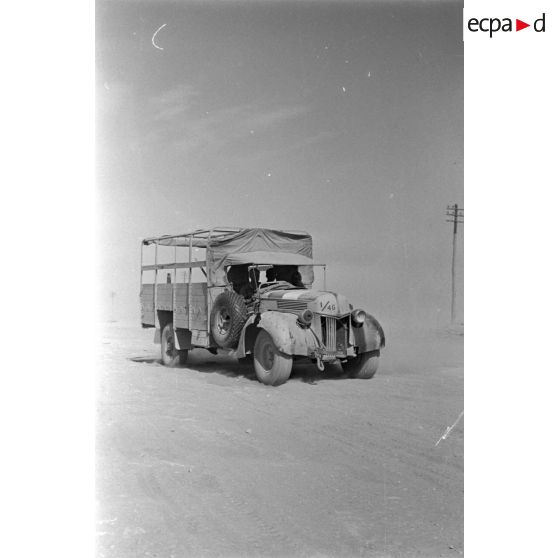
(493, 25)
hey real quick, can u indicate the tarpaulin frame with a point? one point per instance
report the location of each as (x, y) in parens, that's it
(222, 242)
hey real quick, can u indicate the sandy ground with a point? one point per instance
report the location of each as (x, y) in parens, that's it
(204, 460)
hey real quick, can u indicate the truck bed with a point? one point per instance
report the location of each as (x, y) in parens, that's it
(194, 317)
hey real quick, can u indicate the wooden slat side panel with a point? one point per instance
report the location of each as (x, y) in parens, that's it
(193, 318)
(181, 320)
(198, 313)
(200, 338)
(199, 289)
(164, 294)
(148, 317)
(198, 309)
(181, 295)
(164, 297)
(180, 310)
(146, 301)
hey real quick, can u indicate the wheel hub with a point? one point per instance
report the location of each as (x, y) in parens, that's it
(169, 346)
(268, 355)
(224, 322)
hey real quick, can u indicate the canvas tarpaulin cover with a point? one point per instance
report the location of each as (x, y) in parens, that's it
(259, 246)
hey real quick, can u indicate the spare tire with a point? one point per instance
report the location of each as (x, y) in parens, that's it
(228, 316)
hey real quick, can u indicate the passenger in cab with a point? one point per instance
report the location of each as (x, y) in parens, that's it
(290, 274)
(238, 277)
(296, 280)
(270, 275)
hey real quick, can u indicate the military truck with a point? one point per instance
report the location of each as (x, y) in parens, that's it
(249, 293)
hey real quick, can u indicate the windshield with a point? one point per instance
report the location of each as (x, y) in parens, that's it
(269, 277)
(249, 279)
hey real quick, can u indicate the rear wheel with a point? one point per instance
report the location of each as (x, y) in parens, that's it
(170, 355)
(273, 368)
(364, 366)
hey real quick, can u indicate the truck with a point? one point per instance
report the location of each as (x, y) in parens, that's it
(249, 293)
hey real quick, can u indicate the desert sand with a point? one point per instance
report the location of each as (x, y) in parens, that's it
(203, 460)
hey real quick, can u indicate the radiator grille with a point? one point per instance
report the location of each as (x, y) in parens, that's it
(335, 334)
(330, 336)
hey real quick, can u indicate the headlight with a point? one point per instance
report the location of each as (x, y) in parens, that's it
(358, 317)
(306, 317)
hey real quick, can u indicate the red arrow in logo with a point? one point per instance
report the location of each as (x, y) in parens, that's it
(519, 25)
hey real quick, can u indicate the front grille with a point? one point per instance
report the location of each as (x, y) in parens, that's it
(292, 305)
(335, 334)
(330, 334)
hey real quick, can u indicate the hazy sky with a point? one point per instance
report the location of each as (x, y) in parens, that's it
(341, 118)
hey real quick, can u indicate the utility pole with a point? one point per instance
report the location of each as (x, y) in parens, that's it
(455, 215)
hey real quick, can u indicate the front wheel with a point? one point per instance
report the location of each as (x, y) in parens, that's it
(170, 355)
(273, 368)
(363, 366)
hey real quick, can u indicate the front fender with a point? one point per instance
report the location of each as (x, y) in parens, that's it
(289, 337)
(370, 336)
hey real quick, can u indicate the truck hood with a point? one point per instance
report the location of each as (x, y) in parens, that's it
(296, 300)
